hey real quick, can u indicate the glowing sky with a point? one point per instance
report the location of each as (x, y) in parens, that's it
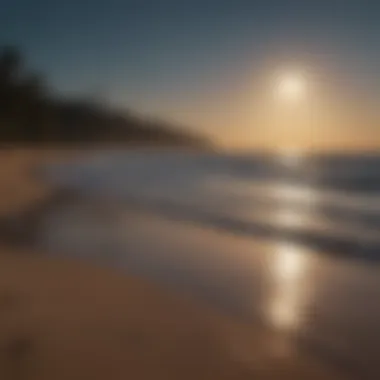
(211, 64)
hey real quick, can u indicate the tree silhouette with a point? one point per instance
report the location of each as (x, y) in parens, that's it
(22, 102)
(32, 114)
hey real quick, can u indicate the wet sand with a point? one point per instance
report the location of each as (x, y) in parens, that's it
(64, 320)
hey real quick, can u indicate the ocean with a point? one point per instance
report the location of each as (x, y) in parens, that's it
(328, 202)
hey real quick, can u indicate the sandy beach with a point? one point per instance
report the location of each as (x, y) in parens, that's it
(65, 318)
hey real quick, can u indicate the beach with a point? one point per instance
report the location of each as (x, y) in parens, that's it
(110, 291)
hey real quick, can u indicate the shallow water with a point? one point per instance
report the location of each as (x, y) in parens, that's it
(329, 202)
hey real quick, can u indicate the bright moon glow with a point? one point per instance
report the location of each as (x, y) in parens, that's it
(291, 87)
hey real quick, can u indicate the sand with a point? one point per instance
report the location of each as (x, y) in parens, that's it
(67, 319)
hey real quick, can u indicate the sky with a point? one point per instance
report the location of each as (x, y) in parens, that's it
(211, 65)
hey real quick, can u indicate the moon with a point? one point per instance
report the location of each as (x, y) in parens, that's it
(291, 87)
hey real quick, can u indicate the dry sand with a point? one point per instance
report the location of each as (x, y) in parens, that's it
(62, 319)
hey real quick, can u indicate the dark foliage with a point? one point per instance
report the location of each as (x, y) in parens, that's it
(30, 113)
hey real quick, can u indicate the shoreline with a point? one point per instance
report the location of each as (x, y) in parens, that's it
(37, 300)
(67, 318)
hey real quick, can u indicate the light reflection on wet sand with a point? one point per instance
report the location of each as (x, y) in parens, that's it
(290, 275)
(291, 267)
